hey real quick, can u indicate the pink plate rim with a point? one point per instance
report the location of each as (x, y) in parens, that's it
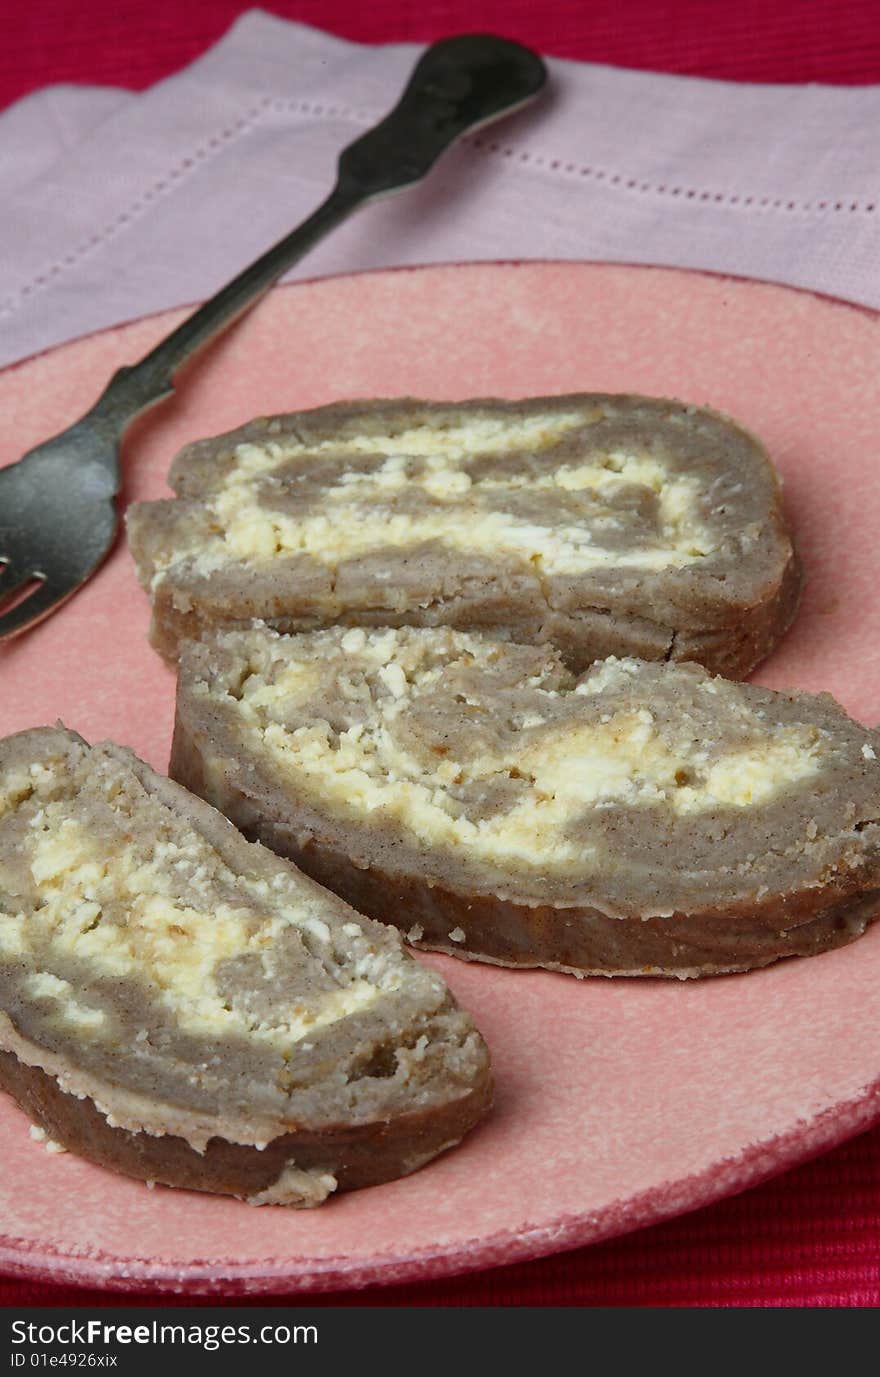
(835, 1125)
(34, 1260)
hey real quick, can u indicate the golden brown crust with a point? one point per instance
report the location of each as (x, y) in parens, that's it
(578, 940)
(355, 1156)
(370, 1096)
(735, 648)
(586, 942)
(726, 611)
(724, 890)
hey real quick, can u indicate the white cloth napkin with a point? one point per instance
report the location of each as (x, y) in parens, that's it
(118, 205)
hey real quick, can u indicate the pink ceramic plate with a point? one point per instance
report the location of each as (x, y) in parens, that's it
(619, 1103)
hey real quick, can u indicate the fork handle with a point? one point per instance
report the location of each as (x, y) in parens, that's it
(135, 388)
(459, 84)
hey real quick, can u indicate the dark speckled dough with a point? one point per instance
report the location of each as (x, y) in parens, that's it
(726, 609)
(727, 886)
(187, 1083)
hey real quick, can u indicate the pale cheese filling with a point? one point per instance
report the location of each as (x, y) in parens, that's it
(356, 514)
(115, 911)
(569, 768)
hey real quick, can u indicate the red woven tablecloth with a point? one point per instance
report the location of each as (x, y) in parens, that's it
(811, 1237)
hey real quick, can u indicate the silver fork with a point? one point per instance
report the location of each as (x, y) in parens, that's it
(58, 517)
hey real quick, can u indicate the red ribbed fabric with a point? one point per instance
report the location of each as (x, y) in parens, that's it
(812, 1236)
(144, 40)
(808, 1238)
